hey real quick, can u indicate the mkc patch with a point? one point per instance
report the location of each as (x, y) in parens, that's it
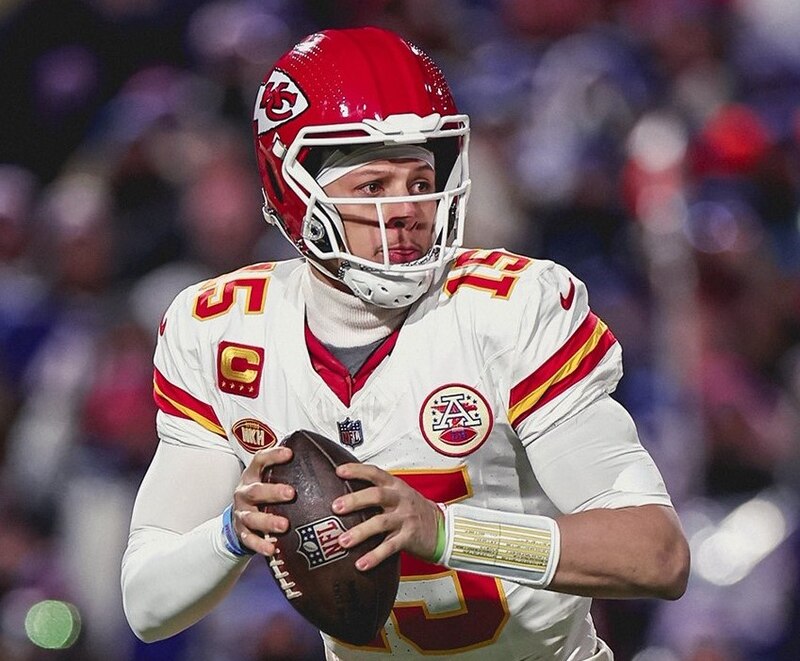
(319, 541)
(239, 368)
(253, 435)
(351, 433)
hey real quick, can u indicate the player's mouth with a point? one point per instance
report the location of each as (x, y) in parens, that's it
(403, 254)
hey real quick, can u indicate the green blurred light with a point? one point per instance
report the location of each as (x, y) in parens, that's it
(53, 625)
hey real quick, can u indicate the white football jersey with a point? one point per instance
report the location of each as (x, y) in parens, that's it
(499, 351)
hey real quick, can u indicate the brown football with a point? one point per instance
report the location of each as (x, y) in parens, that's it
(316, 575)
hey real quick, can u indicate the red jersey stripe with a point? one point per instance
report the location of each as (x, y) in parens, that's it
(175, 401)
(556, 362)
(586, 363)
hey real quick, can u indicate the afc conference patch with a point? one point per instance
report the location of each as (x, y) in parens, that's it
(319, 541)
(455, 420)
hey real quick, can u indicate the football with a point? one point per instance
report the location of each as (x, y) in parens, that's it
(316, 575)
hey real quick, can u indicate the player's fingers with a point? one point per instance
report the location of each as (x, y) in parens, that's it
(261, 522)
(257, 543)
(366, 472)
(250, 496)
(263, 459)
(369, 497)
(255, 529)
(384, 550)
(375, 525)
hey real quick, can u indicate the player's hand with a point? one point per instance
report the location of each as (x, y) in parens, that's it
(409, 520)
(253, 527)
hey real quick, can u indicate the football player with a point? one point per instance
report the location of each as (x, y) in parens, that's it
(474, 385)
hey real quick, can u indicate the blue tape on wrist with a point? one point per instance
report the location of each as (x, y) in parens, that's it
(229, 535)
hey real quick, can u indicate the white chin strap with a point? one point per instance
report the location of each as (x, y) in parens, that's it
(386, 290)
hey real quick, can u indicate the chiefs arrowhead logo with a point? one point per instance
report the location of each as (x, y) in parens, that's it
(278, 101)
(566, 301)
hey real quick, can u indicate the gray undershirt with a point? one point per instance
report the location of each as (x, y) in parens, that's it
(353, 357)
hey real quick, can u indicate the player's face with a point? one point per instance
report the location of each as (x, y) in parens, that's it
(409, 225)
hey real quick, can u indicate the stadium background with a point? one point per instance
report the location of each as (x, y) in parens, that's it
(650, 146)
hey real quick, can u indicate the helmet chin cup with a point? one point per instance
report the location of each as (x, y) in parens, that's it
(386, 290)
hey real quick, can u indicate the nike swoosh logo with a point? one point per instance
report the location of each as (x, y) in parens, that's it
(566, 301)
(163, 325)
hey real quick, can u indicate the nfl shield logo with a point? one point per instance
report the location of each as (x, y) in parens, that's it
(319, 541)
(350, 433)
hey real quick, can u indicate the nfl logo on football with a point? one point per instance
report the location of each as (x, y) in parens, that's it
(319, 541)
(350, 433)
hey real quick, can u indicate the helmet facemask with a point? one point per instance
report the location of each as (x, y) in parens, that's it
(323, 237)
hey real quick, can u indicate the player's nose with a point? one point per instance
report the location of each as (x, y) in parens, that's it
(401, 215)
(402, 223)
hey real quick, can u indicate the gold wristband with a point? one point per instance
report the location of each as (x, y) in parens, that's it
(500, 544)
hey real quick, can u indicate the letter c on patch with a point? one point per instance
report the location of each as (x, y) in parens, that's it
(239, 368)
(240, 364)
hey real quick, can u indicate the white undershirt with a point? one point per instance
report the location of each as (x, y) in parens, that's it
(342, 320)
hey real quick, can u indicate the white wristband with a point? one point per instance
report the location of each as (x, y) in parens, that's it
(524, 548)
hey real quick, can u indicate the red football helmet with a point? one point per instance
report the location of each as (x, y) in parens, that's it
(344, 90)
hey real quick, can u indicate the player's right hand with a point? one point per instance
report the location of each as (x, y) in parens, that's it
(253, 527)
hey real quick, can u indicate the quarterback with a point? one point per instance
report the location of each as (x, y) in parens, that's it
(474, 385)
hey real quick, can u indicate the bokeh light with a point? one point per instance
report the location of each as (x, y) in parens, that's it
(53, 624)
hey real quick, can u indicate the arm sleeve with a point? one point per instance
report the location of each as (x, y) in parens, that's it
(176, 567)
(581, 444)
(594, 459)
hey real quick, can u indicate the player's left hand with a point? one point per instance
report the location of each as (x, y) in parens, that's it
(409, 520)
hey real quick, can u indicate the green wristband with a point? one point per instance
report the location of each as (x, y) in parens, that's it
(441, 536)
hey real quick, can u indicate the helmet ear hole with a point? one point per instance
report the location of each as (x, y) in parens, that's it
(314, 230)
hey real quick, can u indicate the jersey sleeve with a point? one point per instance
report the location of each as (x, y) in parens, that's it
(565, 356)
(181, 390)
(600, 444)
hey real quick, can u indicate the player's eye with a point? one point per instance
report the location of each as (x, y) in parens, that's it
(421, 187)
(370, 188)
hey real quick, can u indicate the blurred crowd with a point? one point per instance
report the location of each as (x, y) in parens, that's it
(653, 147)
